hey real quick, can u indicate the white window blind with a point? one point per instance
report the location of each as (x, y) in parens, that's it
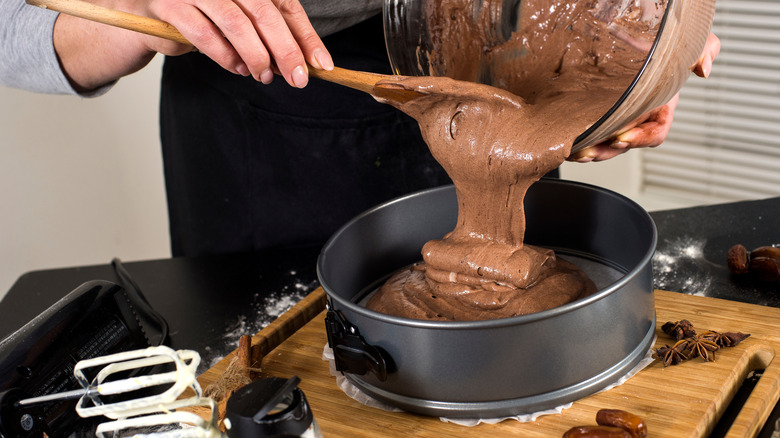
(725, 140)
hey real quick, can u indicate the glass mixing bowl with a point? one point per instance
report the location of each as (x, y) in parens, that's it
(412, 28)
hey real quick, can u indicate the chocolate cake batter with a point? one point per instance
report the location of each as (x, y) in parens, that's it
(494, 144)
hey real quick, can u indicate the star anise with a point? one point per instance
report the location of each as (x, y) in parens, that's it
(690, 345)
(702, 346)
(679, 330)
(674, 354)
(728, 339)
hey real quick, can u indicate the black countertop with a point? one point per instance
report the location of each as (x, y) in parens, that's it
(693, 242)
(208, 302)
(206, 299)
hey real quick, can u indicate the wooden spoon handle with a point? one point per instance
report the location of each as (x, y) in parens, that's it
(359, 80)
(363, 81)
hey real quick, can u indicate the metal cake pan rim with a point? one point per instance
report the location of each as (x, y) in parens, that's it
(492, 323)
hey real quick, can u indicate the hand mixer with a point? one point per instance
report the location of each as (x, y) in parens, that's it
(142, 390)
(138, 389)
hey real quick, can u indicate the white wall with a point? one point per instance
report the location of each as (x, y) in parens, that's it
(618, 174)
(623, 174)
(81, 180)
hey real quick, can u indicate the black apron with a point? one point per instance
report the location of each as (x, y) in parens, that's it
(251, 166)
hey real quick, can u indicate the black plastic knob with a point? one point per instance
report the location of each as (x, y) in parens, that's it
(271, 407)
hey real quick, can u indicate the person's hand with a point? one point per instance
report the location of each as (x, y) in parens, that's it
(711, 50)
(652, 128)
(246, 37)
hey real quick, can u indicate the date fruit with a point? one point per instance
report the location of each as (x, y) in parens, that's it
(772, 252)
(762, 263)
(612, 423)
(627, 421)
(765, 268)
(737, 259)
(596, 432)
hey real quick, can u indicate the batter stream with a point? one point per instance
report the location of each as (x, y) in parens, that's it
(494, 144)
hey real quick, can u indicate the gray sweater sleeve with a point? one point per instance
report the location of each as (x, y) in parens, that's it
(331, 16)
(28, 59)
(27, 49)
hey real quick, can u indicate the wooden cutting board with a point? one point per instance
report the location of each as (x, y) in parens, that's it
(677, 401)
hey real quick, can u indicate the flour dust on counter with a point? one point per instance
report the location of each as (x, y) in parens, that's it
(672, 266)
(261, 312)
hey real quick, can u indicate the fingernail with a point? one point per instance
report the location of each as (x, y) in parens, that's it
(323, 59)
(267, 76)
(623, 139)
(299, 77)
(619, 144)
(583, 156)
(242, 69)
(705, 68)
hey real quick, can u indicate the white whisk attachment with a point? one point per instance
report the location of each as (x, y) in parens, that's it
(141, 389)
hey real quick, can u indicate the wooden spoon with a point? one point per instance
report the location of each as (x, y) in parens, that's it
(358, 80)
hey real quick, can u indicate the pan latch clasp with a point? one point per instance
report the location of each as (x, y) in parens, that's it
(351, 352)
